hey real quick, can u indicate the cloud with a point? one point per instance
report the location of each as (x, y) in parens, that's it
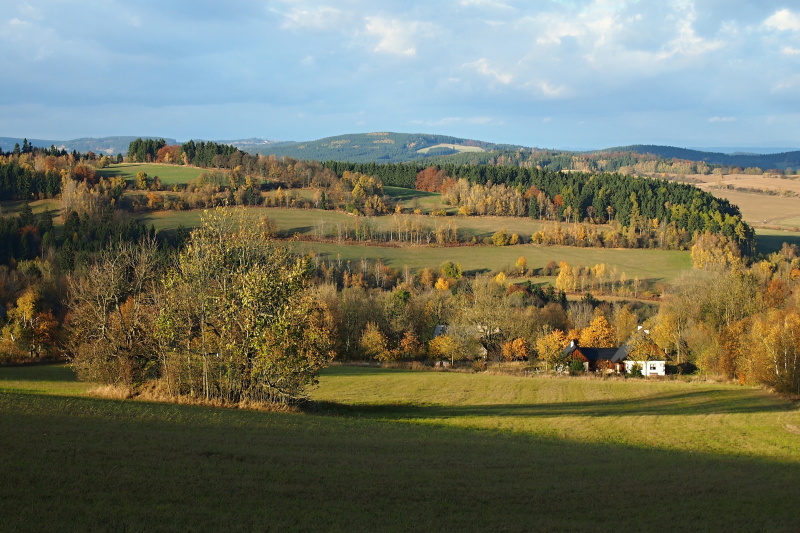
(722, 119)
(790, 51)
(483, 67)
(783, 20)
(687, 42)
(319, 18)
(494, 4)
(396, 36)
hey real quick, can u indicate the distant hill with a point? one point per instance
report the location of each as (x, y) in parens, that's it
(380, 147)
(102, 145)
(387, 147)
(764, 161)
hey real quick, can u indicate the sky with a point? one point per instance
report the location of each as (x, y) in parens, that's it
(569, 74)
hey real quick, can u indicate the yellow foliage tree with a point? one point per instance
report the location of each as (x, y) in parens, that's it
(444, 347)
(522, 265)
(515, 350)
(775, 351)
(550, 347)
(373, 341)
(715, 253)
(599, 334)
(566, 280)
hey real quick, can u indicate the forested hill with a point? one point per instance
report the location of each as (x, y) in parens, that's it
(764, 161)
(380, 147)
(441, 149)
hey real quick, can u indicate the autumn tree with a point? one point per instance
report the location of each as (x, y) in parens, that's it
(374, 344)
(599, 334)
(239, 324)
(550, 347)
(521, 265)
(775, 345)
(110, 322)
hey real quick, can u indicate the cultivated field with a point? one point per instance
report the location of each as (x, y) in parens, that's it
(456, 147)
(389, 450)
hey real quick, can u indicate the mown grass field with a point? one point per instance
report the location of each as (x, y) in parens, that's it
(656, 265)
(652, 265)
(169, 174)
(310, 221)
(389, 450)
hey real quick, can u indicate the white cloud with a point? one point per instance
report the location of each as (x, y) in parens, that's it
(791, 51)
(494, 4)
(783, 20)
(687, 42)
(483, 67)
(396, 36)
(722, 119)
(320, 18)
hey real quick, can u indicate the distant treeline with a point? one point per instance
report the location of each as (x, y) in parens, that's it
(204, 154)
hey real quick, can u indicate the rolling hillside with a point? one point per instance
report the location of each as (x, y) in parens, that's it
(387, 147)
(380, 147)
(765, 161)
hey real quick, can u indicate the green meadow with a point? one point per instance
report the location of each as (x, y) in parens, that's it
(169, 174)
(653, 265)
(393, 450)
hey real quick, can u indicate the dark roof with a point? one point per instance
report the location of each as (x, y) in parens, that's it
(614, 355)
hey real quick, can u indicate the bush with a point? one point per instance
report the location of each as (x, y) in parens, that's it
(576, 367)
(636, 371)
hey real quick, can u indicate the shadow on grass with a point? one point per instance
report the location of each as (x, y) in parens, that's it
(767, 244)
(44, 372)
(401, 194)
(140, 466)
(294, 231)
(356, 370)
(684, 403)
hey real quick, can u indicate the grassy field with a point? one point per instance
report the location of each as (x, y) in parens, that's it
(771, 240)
(385, 450)
(412, 199)
(309, 221)
(646, 264)
(169, 174)
(653, 265)
(14, 208)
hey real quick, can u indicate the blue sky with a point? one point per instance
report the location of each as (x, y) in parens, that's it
(558, 74)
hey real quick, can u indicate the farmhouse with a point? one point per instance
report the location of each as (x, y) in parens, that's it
(616, 360)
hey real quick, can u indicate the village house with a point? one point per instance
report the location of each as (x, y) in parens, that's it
(615, 360)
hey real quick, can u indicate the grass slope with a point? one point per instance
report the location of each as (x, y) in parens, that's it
(403, 451)
(654, 265)
(169, 174)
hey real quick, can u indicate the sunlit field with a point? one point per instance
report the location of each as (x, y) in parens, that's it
(391, 450)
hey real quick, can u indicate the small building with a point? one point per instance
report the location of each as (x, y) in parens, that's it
(649, 368)
(614, 360)
(596, 359)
